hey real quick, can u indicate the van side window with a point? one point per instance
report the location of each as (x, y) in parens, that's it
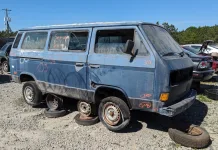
(113, 41)
(139, 45)
(16, 42)
(68, 40)
(34, 40)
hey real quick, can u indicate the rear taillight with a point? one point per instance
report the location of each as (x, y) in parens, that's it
(203, 65)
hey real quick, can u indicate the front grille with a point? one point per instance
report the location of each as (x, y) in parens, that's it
(182, 75)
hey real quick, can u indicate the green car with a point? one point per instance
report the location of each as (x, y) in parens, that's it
(4, 56)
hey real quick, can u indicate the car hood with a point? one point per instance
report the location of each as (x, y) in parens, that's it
(178, 63)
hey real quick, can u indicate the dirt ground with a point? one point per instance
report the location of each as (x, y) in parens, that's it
(24, 127)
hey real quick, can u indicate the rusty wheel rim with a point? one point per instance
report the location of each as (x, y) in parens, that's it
(84, 108)
(111, 114)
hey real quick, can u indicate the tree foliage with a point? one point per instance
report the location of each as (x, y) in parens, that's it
(192, 34)
(4, 34)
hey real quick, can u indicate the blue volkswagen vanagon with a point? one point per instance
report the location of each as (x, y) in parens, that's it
(114, 67)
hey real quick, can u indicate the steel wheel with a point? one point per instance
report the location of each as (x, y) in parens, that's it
(111, 114)
(5, 66)
(84, 108)
(53, 102)
(29, 94)
(114, 113)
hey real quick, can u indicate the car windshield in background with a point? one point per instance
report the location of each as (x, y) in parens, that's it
(214, 46)
(193, 50)
(161, 40)
(190, 53)
(4, 47)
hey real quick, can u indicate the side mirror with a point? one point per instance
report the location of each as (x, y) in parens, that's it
(128, 47)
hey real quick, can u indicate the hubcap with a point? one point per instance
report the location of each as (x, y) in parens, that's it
(28, 93)
(84, 108)
(111, 114)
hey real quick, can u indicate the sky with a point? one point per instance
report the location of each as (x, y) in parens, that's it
(181, 13)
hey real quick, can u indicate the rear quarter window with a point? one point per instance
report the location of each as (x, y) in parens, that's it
(17, 40)
(34, 41)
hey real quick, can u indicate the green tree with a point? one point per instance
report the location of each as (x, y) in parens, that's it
(4, 34)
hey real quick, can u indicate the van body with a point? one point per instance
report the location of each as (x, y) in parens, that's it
(86, 61)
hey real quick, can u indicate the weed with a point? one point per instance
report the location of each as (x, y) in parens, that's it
(203, 98)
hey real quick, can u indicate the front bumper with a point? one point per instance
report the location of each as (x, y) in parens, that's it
(15, 79)
(202, 75)
(179, 107)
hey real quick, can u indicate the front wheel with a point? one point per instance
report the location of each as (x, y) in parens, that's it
(114, 113)
(32, 95)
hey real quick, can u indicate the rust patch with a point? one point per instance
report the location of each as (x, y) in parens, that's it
(145, 95)
(145, 104)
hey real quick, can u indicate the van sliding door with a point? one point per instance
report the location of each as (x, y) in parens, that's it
(65, 62)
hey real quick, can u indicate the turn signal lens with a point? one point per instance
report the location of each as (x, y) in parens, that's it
(164, 97)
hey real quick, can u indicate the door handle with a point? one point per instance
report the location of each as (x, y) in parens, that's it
(94, 66)
(79, 64)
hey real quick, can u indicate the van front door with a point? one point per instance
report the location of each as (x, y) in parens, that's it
(109, 66)
(65, 62)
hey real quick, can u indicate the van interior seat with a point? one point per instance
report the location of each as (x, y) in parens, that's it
(110, 48)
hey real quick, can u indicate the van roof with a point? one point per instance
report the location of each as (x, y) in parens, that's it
(83, 25)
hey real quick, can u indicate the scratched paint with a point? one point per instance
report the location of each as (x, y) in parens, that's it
(145, 95)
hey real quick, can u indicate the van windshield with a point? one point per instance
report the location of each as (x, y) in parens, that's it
(162, 41)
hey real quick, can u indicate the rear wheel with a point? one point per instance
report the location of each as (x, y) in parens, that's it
(32, 95)
(5, 68)
(114, 113)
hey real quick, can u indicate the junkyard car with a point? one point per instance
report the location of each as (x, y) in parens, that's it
(115, 66)
(213, 55)
(4, 54)
(202, 67)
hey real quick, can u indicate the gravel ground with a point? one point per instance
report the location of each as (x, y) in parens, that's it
(24, 127)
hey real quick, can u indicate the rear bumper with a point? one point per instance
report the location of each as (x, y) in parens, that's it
(179, 107)
(202, 75)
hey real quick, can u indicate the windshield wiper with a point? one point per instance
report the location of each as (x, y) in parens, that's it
(174, 53)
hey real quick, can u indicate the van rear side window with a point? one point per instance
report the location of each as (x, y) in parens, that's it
(68, 40)
(16, 42)
(34, 40)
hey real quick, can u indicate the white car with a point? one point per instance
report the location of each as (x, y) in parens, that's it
(209, 49)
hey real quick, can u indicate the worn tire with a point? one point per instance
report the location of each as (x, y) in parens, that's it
(124, 110)
(212, 93)
(198, 141)
(37, 94)
(54, 114)
(86, 122)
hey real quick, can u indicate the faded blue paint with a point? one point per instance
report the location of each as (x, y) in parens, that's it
(72, 73)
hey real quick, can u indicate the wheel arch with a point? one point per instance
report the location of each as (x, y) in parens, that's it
(110, 91)
(3, 59)
(25, 76)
